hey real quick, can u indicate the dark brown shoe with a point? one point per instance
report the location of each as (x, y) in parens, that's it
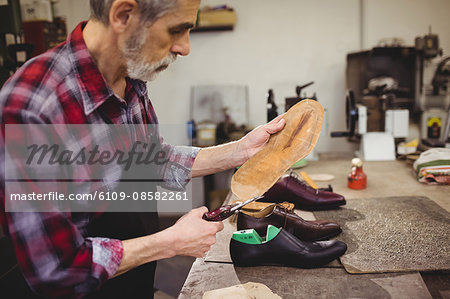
(279, 216)
(287, 250)
(290, 188)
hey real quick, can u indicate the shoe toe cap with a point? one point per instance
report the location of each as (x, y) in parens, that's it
(329, 199)
(332, 248)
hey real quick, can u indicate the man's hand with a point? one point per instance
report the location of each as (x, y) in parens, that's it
(190, 235)
(194, 236)
(255, 141)
(222, 157)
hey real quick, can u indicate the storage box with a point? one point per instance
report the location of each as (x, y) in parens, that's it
(223, 17)
(37, 10)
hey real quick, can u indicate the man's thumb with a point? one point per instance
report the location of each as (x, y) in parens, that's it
(275, 127)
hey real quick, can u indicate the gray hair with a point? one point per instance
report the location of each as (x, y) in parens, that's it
(150, 10)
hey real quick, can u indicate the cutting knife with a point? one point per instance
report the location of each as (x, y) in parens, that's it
(224, 212)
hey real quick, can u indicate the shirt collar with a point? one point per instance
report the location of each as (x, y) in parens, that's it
(139, 86)
(94, 89)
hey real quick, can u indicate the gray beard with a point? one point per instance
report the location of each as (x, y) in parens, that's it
(136, 67)
(147, 71)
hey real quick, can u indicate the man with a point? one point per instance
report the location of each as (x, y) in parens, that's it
(96, 77)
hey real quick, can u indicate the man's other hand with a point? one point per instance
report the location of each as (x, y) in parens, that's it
(226, 156)
(194, 236)
(255, 141)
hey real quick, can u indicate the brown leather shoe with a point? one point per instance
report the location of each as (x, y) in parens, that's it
(290, 188)
(281, 217)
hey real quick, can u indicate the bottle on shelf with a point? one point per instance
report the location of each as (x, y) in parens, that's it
(271, 106)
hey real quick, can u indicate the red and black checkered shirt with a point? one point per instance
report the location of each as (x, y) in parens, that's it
(64, 86)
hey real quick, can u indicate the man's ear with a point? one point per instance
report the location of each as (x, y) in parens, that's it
(121, 13)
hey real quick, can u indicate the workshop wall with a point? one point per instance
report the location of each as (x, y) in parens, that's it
(283, 44)
(74, 11)
(273, 45)
(406, 19)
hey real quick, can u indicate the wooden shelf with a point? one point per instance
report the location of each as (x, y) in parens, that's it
(213, 28)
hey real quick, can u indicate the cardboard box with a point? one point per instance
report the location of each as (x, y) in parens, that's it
(38, 10)
(216, 18)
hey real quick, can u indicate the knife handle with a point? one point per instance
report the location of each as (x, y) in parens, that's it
(219, 214)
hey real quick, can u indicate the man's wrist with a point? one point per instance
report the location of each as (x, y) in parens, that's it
(167, 241)
(240, 153)
(220, 158)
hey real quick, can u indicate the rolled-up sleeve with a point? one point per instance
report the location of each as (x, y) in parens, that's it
(177, 170)
(106, 256)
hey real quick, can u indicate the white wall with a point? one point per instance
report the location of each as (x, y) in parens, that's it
(406, 19)
(272, 46)
(74, 11)
(281, 44)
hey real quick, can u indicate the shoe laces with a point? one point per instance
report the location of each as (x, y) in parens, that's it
(296, 179)
(286, 210)
(285, 207)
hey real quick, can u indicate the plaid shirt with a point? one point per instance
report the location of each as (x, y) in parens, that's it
(64, 86)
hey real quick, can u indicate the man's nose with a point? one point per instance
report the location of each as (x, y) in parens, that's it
(182, 45)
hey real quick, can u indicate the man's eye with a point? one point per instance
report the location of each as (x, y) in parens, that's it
(176, 31)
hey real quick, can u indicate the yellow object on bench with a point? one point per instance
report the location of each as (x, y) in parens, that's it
(308, 180)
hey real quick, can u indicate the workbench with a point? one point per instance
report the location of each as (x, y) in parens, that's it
(384, 179)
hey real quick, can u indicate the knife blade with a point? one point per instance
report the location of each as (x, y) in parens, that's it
(226, 211)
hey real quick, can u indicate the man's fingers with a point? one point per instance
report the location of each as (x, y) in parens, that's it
(275, 127)
(200, 211)
(277, 119)
(219, 226)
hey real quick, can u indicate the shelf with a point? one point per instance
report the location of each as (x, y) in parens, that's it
(213, 28)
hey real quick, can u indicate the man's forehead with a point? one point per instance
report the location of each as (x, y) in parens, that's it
(186, 6)
(184, 12)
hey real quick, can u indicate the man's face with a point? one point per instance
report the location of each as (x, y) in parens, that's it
(150, 50)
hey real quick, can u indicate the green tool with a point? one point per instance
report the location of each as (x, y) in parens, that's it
(248, 236)
(272, 232)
